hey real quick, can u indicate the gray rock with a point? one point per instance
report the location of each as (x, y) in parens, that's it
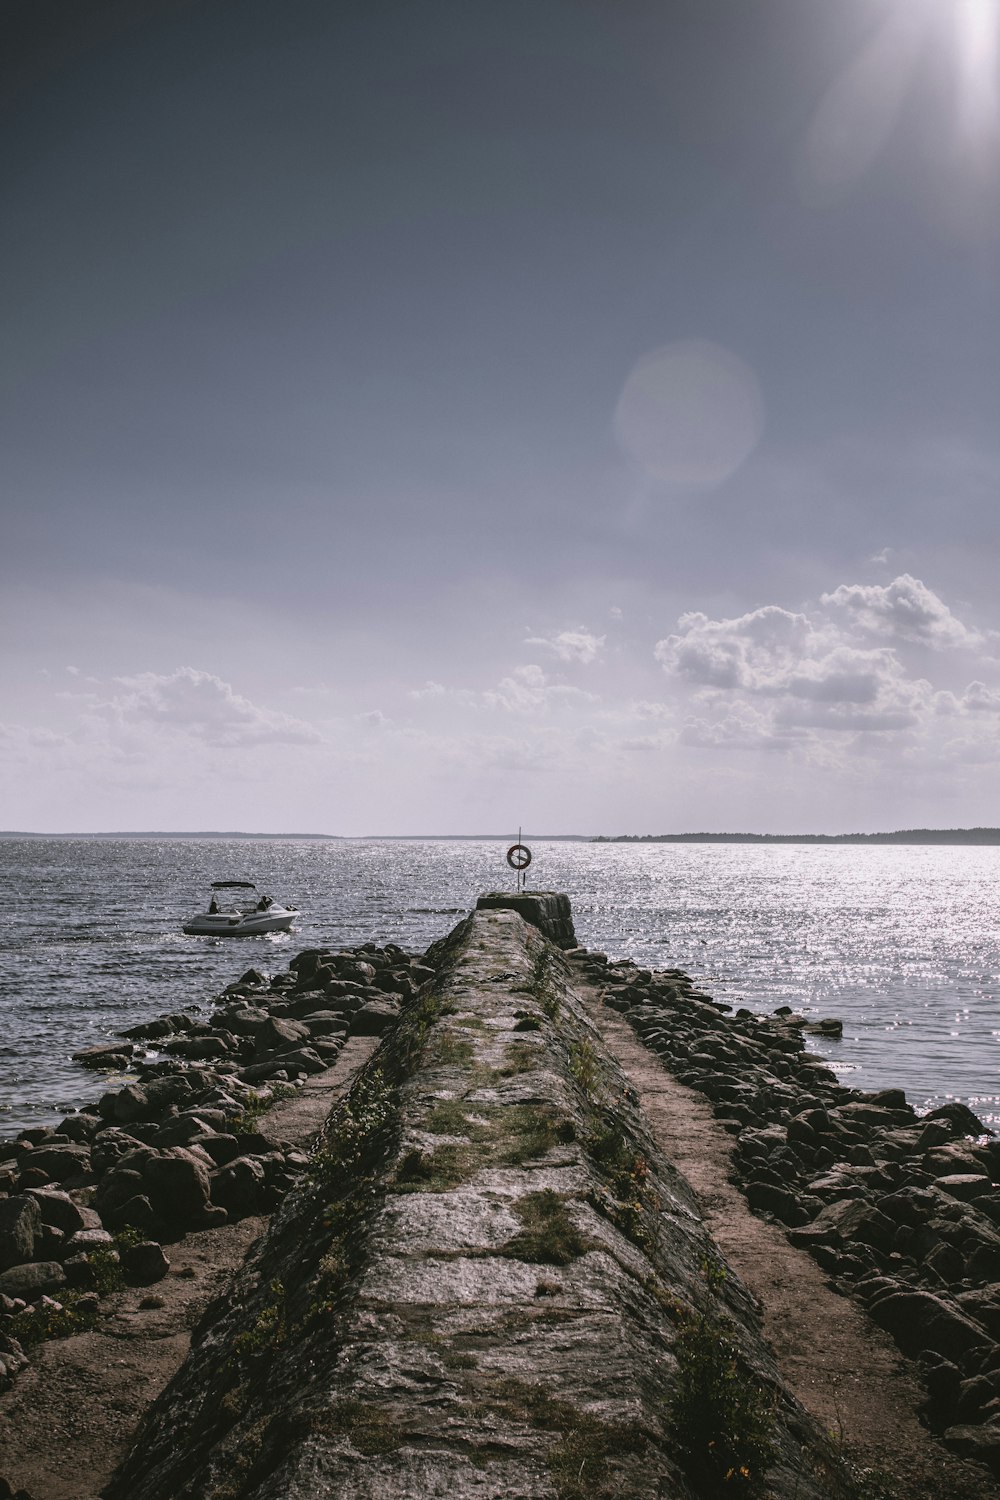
(59, 1209)
(30, 1282)
(964, 1185)
(277, 1033)
(62, 1163)
(20, 1226)
(86, 1240)
(979, 1443)
(239, 1187)
(178, 1184)
(145, 1262)
(375, 1018)
(960, 1117)
(919, 1320)
(107, 1055)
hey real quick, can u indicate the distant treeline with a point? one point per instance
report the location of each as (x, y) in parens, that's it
(901, 836)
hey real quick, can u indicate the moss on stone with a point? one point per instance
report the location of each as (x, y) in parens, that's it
(549, 1236)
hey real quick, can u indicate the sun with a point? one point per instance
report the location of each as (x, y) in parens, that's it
(866, 101)
(977, 41)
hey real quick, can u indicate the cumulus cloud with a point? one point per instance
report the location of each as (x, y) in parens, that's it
(577, 645)
(979, 699)
(814, 678)
(203, 707)
(528, 689)
(755, 652)
(906, 610)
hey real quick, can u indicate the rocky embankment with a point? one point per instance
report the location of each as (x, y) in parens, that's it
(485, 1278)
(490, 1283)
(91, 1203)
(901, 1211)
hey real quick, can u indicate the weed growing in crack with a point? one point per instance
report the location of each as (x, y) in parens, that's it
(435, 1171)
(542, 985)
(249, 1117)
(578, 1461)
(584, 1066)
(721, 1416)
(267, 1331)
(371, 1429)
(354, 1132)
(549, 1236)
(519, 1057)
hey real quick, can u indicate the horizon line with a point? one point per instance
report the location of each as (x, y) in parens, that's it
(166, 833)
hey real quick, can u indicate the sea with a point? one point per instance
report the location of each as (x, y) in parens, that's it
(902, 943)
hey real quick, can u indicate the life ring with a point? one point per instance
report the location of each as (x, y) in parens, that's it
(519, 856)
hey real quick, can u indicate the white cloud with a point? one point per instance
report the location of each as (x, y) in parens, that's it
(203, 707)
(979, 699)
(528, 690)
(577, 645)
(906, 610)
(755, 652)
(816, 678)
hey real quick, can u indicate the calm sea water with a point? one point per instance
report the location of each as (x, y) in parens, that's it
(902, 943)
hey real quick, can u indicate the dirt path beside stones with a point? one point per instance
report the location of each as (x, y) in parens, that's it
(68, 1420)
(841, 1366)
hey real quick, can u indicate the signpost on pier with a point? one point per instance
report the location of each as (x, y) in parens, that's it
(519, 858)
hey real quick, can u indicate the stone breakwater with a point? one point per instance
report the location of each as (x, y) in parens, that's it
(484, 1278)
(902, 1212)
(91, 1203)
(489, 1283)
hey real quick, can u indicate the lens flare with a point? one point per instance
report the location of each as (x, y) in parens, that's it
(977, 25)
(690, 414)
(864, 103)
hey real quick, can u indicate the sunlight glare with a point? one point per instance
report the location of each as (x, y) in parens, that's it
(977, 25)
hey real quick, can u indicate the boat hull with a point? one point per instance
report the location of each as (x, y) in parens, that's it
(237, 924)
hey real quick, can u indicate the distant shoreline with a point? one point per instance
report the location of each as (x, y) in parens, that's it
(901, 836)
(954, 836)
(166, 833)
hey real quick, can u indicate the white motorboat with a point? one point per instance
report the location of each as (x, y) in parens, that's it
(239, 914)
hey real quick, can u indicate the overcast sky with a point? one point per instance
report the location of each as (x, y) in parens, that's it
(444, 417)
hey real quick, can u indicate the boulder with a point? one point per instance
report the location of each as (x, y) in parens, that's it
(178, 1184)
(20, 1226)
(979, 1443)
(58, 1209)
(277, 1033)
(145, 1262)
(61, 1163)
(238, 1187)
(855, 1219)
(919, 1320)
(29, 1282)
(107, 1055)
(86, 1240)
(964, 1185)
(134, 1213)
(375, 1017)
(960, 1117)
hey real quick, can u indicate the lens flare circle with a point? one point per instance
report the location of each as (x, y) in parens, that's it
(690, 413)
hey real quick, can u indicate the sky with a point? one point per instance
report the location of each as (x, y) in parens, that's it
(576, 415)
